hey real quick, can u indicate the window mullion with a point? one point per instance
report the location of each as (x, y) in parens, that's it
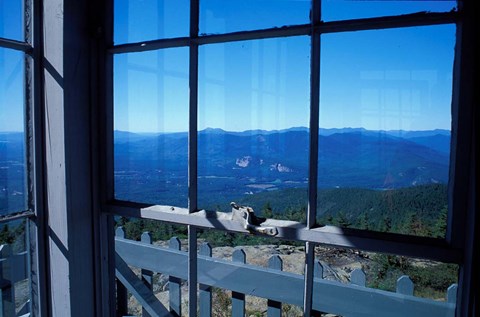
(192, 132)
(313, 156)
(35, 148)
(192, 158)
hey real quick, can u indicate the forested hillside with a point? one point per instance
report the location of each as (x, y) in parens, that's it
(419, 210)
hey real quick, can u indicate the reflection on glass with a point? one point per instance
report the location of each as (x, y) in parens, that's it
(253, 113)
(11, 19)
(14, 257)
(160, 240)
(219, 16)
(139, 20)
(381, 278)
(12, 151)
(151, 120)
(385, 100)
(347, 9)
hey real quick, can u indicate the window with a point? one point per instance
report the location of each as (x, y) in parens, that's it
(389, 102)
(336, 126)
(16, 178)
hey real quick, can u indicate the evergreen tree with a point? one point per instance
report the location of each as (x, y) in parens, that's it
(267, 211)
(342, 220)
(440, 225)
(363, 222)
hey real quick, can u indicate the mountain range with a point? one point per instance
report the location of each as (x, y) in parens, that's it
(153, 167)
(249, 162)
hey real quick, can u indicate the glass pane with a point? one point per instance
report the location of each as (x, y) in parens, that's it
(151, 120)
(140, 20)
(219, 16)
(134, 238)
(385, 118)
(383, 284)
(253, 114)
(347, 9)
(12, 150)
(14, 273)
(266, 267)
(11, 19)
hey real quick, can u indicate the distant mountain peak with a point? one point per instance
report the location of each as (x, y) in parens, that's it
(212, 130)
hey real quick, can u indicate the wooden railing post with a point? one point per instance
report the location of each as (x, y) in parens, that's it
(205, 290)
(7, 296)
(147, 275)
(175, 284)
(274, 308)
(238, 299)
(122, 295)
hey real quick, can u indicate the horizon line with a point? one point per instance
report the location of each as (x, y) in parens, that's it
(274, 130)
(281, 130)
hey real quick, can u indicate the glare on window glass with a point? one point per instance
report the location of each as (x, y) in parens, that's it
(253, 117)
(12, 150)
(151, 124)
(351, 9)
(219, 16)
(385, 118)
(144, 20)
(11, 19)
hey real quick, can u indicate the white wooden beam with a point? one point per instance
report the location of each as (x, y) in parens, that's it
(68, 156)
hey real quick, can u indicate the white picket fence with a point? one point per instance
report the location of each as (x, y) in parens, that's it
(347, 300)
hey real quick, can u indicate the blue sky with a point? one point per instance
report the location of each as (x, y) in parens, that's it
(11, 68)
(387, 79)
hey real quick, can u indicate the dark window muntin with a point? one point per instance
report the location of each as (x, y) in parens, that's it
(448, 249)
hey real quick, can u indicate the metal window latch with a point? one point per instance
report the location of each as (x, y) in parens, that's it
(251, 222)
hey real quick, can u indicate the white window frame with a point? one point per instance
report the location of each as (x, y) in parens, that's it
(33, 215)
(461, 187)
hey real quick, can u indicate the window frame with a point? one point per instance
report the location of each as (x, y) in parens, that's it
(33, 215)
(450, 249)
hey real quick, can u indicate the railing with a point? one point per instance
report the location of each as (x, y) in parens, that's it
(13, 269)
(347, 300)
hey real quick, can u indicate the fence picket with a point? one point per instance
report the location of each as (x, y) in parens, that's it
(238, 299)
(452, 294)
(205, 290)
(357, 277)
(405, 285)
(274, 308)
(120, 232)
(175, 284)
(147, 275)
